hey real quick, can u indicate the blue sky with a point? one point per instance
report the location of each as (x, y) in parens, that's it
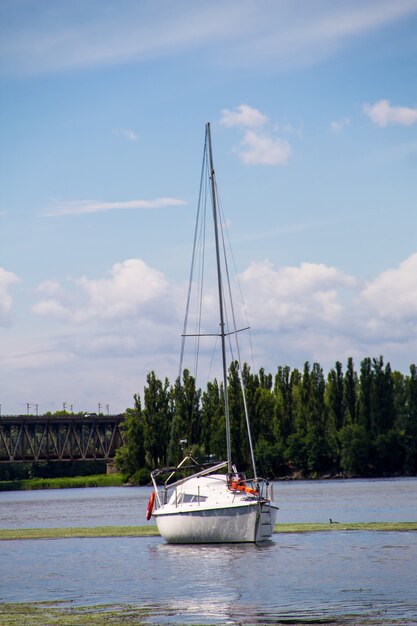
(313, 106)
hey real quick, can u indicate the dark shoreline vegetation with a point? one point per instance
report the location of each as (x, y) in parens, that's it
(118, 480)
(56, 475)
(65, 482)
(304, 425)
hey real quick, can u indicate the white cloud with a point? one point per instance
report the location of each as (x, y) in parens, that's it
(81, 207)
(311, 295)
(290, 129)
(260, 148)
(131, 285)
(382, 114)
(338, 125)
(131, 289)
(120, 327)
(35, 355)
(7, 279)
(244, 115)
(304, 33)
(100, 34)
(316, 312)
(40, 38)
(127, 133)
(49, 287)
(264, 150)
(392, 296)
(51, 308)
(294, 296)
(111, 344)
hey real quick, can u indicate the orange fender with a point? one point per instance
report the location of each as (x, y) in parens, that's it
(149, 508)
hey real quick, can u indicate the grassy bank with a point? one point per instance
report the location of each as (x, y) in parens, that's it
(370, 526)
(66, 533)
(60, 614)
(52, 614)
(151, 530)
(99, 480)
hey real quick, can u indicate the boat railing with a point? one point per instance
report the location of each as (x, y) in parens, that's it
(212, 469)
(266, 489)
(259, 487)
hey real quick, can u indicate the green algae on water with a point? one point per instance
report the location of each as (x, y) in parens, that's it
(52, 614)
(152, 531)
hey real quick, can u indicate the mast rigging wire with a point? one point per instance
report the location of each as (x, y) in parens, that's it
(208, 181)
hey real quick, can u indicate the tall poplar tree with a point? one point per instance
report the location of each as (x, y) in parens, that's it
(157, 416)
(365, 395)
(382, 401)
(335, 394)
(213, 425)
(350, 384)
(283, 390)
(237, 417)
(410, 463)
(130, 457)
(186, 423)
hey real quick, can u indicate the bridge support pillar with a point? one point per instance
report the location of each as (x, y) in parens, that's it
(111, 468)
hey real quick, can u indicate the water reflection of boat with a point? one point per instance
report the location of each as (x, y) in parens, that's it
(209, 506)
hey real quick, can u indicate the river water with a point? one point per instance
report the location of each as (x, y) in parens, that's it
(295, 578)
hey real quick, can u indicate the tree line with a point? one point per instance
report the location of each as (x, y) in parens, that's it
(359, 423)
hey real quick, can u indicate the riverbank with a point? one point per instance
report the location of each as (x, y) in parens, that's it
(116, 480)
(68, 482)
(151, 530)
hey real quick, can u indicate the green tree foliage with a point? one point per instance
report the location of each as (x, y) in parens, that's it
(296, 452)
(264, 415)
(365, 394)
(362, 424)
(130, 457)
(319, 450)
(270, 458)
(284, 403)
(213, 421)
(317, 409)
(410, 422)
(157, 416)
(382, 401)
(237, 417)
(336, 395)
(350, 394)
(186, 422)
(354, 449)
(389, 452)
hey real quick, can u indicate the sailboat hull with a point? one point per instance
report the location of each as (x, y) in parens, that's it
(251, 523)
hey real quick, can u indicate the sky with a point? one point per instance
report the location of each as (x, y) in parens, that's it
(313, 111)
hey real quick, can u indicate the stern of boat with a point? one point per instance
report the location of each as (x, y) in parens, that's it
(266, 521)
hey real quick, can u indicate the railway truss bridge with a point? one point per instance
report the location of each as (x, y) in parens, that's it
(62, 438)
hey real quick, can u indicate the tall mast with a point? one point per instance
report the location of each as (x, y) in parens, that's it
(221, 305)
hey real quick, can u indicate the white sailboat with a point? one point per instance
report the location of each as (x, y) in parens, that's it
(214, 504)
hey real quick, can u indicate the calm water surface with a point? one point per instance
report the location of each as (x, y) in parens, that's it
(372, 575)
(299, 501)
